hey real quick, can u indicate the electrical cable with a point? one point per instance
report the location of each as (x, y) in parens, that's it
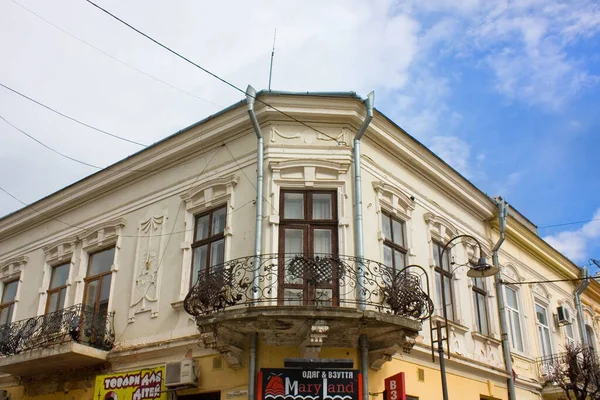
(569, 223)
(209, 72)
(48, 147)
(249, 180)
(71, 118)
(114, 58)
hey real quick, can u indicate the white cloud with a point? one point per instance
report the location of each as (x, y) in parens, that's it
(454, 151)
(574, 244)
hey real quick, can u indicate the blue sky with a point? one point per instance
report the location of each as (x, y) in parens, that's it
(507, 92)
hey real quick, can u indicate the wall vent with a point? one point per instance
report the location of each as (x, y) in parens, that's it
(421, 374)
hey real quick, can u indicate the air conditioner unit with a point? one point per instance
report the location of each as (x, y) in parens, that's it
(563, 316)
(181, 373)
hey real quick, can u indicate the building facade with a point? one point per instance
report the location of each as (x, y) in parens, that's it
(156, 259)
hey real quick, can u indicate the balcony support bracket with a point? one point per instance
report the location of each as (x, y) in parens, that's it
(228, 343)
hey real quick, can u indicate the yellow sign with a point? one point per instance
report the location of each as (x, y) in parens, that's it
(147, 383)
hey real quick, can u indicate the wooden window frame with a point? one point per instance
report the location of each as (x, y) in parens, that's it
(390, 241)
(10, 304)
(512, 329)
(477, 291)
(98, 277)
(208, 240)
(61, 290)
(307, 225)
(442, 274)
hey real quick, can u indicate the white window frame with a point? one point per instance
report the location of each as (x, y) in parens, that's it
(539, 325)
(12, 270)
(518, 312)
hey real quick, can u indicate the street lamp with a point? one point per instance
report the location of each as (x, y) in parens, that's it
(481, 270)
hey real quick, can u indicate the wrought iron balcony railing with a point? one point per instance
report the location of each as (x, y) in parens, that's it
(319, 280)
(78, 323)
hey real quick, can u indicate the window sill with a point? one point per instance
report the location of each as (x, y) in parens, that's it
(485, 338)
(177, 305)
(521, 356)
(453, 325)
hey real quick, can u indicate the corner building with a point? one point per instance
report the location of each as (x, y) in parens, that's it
(156, 260)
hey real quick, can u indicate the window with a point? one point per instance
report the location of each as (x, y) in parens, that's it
(569, 333)
(394, 244)
(514, 318)
(98, 280)
(591, 338)
(58, 288)
(209, 242)
(308, 227)
(480, 305)
(443, 280)
(8, 302)
(541, 317)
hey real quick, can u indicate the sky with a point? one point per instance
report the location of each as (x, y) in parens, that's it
(506, 92)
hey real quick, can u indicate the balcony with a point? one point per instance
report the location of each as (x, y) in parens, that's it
(73, 337)
(309, 302)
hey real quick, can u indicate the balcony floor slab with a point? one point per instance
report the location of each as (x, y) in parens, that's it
(62, 357)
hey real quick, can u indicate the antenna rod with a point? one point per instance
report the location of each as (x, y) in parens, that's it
(272, 55)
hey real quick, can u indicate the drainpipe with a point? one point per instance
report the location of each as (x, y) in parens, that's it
(364, 365)
(577, 294)
(358, 218)
(502, 214)
(250, 98)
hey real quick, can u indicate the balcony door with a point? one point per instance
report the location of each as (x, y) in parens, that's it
(308, 248)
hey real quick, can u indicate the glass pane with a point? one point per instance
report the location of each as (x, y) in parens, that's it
(202, 227)
(59, 276)
(324, 297)
(478, 283)
(321, 206)
(386, 227)
(219, 217)
(511, 298)
(399, 260)
(199, 262)
(293, 245)
(101, 262)
(438, 292)
(9, 292)
(293, 297)
(540, 314)
(104, 295)
(217, 253)
(5, 315)
(448, 294)
(482, 306)
(387, 256)
(53, 302)
(569, 331)
(322, 241)
(293, 206)
(546, 347)
(91, 293)
(398, 232)
(516, 325)
(437, 248)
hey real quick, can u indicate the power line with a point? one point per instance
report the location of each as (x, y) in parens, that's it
(71, 118)
(569, 223)
(249, 180)
(209, 72)
(48, 147)
(114, 58)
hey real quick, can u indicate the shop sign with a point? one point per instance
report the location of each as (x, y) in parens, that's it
(237, 394)
(395, 388)
(147, 383)
(309, 384)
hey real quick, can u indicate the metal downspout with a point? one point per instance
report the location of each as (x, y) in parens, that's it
(502, 214)
(358, 218)
(250, 98)
(577, 294)
(364, 365)
(358, 234)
